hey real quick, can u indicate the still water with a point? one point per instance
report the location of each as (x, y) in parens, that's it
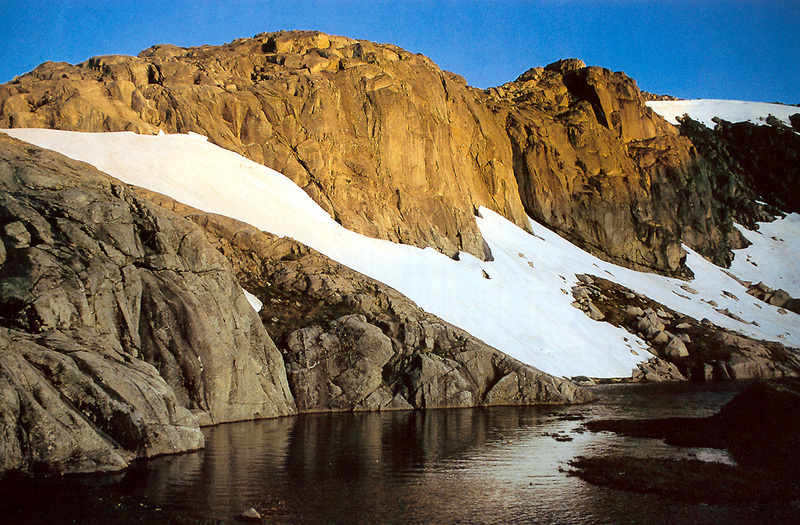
(498, 465)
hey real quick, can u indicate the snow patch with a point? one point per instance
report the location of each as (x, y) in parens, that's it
(253, 300)
(704, 110)
(524, 310)
(772, 258)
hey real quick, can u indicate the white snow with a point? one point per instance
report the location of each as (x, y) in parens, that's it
(774, 256)
(704, 110)
(524, 309)
(253, 300)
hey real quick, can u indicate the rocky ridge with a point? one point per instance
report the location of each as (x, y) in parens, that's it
(595, 164)
(386, 142)
(395, 148)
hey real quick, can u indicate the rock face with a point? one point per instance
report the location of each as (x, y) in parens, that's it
(395, 148)
(73, 404)
(385, 141)
(598, 166)
(756, 163)
(121, 326)
(352, 343)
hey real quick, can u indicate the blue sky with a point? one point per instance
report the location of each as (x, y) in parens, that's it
(734, 49)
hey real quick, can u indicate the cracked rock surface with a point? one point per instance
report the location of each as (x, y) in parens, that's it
(122, 328)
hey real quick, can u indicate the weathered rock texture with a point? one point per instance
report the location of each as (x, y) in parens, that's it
(353, 343)
(389, 144)
(120, 325)
(598, 166)
(394, 147)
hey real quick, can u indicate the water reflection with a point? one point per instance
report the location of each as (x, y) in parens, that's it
(499, 465)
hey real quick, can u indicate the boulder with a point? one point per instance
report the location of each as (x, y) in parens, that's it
(660, 338)
(761, 427)
(795, 120)
(675, 348)
(656, 370)
(338, 367)
(634, 311)
(650, 325)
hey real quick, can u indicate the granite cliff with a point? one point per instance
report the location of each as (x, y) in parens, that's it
(395, 148)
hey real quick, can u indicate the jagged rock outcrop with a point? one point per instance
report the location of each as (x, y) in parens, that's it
(597, 165)
(381, 138)
(682, 347)
(121, 327)
(395, 148)
(755, 163)
(353, 343)
(778, 297)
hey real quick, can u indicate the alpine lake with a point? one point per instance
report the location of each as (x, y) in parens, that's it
(498, 465)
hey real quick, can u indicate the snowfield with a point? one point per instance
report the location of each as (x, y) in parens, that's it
(523, 309)
(774, 255)
(704, 110)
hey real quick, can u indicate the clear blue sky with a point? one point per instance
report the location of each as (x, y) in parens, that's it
(735, 49)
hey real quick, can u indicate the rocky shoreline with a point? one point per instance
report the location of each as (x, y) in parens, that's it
(759, 427)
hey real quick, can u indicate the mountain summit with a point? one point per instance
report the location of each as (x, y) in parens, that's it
(395, 148)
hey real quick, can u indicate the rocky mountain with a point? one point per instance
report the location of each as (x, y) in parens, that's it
(123, 322)
(395, 148)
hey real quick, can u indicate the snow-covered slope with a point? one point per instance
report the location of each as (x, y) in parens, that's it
(523, 309)
(773, 257)
(704, 110)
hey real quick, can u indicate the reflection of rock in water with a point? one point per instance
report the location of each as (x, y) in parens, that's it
(489, 465)
(759, 426)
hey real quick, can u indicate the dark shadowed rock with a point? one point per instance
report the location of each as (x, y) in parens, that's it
(753, 163)
(795, 120)
(759, 427)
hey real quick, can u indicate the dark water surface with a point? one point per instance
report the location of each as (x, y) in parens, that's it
(498, 465)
